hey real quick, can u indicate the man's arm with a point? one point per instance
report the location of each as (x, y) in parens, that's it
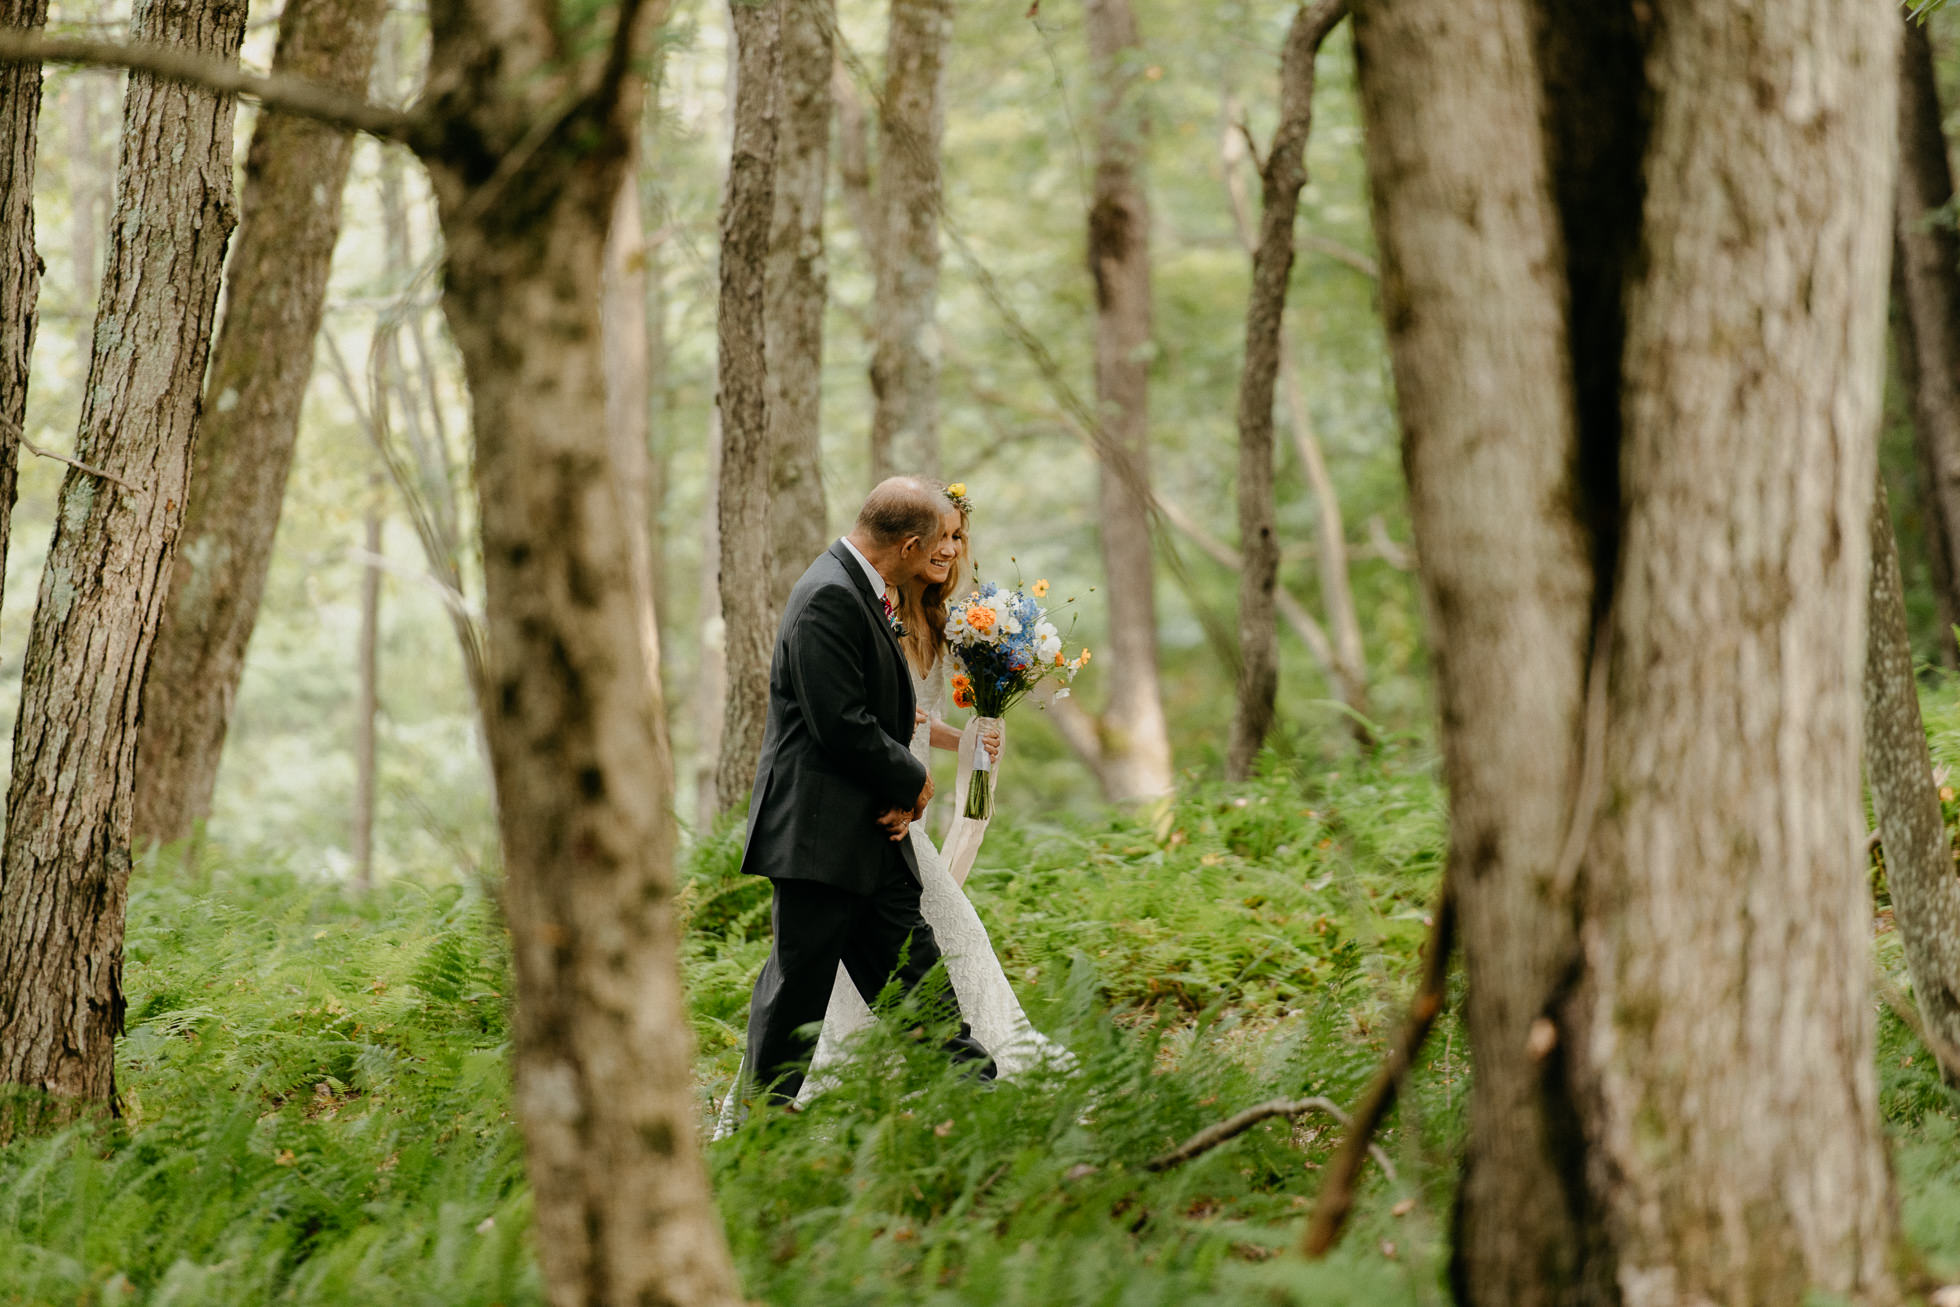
(828, 678)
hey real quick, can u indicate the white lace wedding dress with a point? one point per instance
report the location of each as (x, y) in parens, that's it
(987, 1001)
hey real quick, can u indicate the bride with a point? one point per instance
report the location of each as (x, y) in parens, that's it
(986, 999)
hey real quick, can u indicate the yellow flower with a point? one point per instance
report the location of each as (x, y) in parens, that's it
(1040, 589)
(957, 490)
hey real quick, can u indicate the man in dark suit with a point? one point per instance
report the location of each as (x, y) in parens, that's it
(837, 788)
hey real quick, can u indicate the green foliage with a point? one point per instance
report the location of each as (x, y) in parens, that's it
(316, 1111)
(317, 1104)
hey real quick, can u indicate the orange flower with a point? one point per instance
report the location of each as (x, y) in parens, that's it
(1061, 659)
(961, 681)
(980, 617)
(1039, 589)
(962, 697)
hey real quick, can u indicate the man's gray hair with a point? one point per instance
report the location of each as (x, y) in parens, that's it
(899, 508)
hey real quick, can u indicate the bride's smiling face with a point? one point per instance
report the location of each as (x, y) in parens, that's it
(947, 553)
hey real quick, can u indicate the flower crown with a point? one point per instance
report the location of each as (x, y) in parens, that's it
(956, 493)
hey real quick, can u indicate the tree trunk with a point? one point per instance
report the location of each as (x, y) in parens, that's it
(623, 315)
(1133, 739)
(1282, 177)
(796, 288)
(1928, 281)
(1654, 468)
(1472, 305)
(1899, 771)
(711, 660)
(1343, 657)
(259, 371)
(525, 128)
(20, 261)
(66, 866)
(906, 199)
(743, 497)
(602, 1059)
(367, 695)
(1726, 1015)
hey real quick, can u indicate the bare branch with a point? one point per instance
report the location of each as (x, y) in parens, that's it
(1213, 1135)
(1337, 1194)
(1342, 253)
(20, 437)
(292, 95)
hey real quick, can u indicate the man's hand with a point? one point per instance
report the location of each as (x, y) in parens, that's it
(925, 797)
(896, 821)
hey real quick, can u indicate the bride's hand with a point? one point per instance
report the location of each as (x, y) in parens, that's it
(993, 738)
(896, 822)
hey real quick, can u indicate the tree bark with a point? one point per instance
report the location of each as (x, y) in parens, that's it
(906, 196)
(367, 694)
(1725, 906)
(20, 261)
(65, 881)
(743, 497)
(1472, 302)
(527, 175)
(797, 282)
(1133, 740)
(1281, 178)
(259, 372)
(1928, 280)
(623, 315)
(711, 661)
(1635, 312)
(1919, 862)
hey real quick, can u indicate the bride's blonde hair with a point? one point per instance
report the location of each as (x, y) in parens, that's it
(925, 616)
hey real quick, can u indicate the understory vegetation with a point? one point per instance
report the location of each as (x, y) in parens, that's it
(316, 1105)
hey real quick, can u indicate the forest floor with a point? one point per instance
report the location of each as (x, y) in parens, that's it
(317, 1110)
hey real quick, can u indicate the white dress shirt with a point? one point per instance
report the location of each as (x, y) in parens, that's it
(878, 583)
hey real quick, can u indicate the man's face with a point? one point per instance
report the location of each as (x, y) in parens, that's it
(915, 560)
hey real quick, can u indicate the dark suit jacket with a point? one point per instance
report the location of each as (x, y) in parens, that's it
(835, 751)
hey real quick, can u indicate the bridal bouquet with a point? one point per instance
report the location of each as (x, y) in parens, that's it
(1004, 645)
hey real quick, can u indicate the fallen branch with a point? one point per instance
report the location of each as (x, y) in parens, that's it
(1344, 1171)
(1213, 1135)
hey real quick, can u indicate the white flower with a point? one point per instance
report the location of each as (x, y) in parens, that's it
(1043, 630)
(1062, 693)
(1048, 646)
(1011, 624)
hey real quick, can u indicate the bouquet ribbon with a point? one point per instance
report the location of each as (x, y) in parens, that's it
(963, 839)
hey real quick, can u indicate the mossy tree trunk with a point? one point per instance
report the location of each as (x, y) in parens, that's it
(1132, 750)
(527, 151)
(1635, 308)
(1927, 279)
(20, 260)
(65, 877)
(742, 494)
(797, 286)
(260, 366)
(906, 193)
(1281, 178)
(1919, 863)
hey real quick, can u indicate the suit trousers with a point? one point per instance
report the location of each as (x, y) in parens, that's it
(878, 937)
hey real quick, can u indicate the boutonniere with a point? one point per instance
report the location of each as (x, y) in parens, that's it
(891, 617)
